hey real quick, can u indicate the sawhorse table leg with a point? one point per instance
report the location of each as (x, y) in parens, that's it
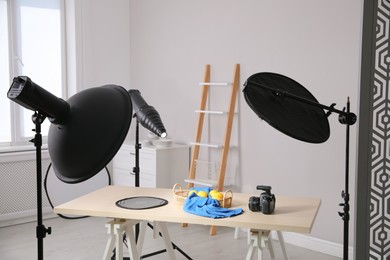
(282, 244)
(116, 229)
(262, 239)
(162, 227)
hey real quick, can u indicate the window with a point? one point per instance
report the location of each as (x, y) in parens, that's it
(31, 39)
(5, 129)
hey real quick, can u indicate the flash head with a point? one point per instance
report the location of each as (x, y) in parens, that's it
(31, 96)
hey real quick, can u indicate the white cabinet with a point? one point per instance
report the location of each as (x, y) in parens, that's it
(160, 167)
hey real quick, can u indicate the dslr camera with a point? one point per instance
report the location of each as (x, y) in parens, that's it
(265, 203)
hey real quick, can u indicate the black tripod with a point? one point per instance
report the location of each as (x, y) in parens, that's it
(136, 172)
(273, 97)
(41, 230)
(347, 118)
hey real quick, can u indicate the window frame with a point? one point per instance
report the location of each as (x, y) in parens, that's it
(18, 140)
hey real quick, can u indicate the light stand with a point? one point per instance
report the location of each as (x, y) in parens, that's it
(26, 93)
(137, 147)
(136, 169)
(347, 118)
(280, 87)
(41, 230)
(345, 193)
(150, 119)
(85, 134)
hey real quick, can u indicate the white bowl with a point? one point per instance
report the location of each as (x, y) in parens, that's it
(162, 142)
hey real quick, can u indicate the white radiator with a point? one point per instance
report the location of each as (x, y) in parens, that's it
(18, 187)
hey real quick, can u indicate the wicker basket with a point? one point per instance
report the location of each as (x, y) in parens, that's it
(180, 195)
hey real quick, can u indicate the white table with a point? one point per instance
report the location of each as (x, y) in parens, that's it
(292, 214)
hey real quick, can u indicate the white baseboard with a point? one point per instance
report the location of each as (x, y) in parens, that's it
(315, 244)
(24, 217)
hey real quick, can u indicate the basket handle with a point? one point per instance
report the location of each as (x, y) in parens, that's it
(177, 186)
(227, 194)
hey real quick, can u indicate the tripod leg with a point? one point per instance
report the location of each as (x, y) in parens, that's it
(41, 230)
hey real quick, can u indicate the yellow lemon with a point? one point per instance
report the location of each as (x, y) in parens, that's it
(202, 194)
(213, 191)
(191, 191)
(217, 195)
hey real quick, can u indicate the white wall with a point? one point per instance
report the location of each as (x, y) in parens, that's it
(317, 43)
(102, 42)
(167, 44)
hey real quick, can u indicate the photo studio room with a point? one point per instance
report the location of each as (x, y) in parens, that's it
(209, 129)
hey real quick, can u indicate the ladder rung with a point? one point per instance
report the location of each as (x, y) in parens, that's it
(214, 112)
(211, 112)
(203, 182)
(207, 145)
(214, 84)
(205, 162)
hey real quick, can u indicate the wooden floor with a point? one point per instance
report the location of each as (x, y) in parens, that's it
(85, 239)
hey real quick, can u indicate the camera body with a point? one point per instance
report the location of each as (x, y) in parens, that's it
(265, 202)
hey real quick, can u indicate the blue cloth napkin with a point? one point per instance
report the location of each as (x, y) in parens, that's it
(207, 207)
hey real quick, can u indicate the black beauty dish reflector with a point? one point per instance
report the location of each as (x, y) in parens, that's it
(95, 129)
(87, 130)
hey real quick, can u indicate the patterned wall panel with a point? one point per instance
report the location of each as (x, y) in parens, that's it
(379, 219)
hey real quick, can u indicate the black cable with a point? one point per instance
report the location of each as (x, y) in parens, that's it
(48, 197)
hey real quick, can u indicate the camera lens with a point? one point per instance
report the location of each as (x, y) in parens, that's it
(254, 204)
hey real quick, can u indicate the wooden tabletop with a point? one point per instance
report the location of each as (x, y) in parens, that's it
(292, 214)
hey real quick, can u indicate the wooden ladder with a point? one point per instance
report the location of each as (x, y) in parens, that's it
(217, 184)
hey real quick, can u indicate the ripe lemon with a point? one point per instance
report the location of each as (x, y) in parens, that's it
(202, 194)
(191, 191)
(217, 195)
